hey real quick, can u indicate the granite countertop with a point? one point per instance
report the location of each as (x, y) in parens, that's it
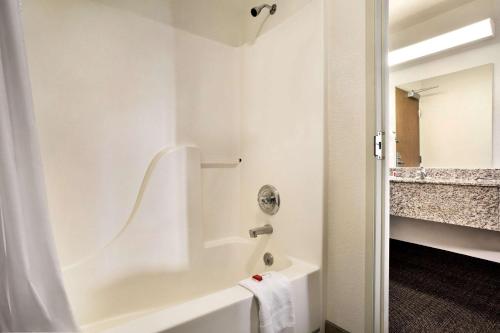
(464, 197)
(446, 181)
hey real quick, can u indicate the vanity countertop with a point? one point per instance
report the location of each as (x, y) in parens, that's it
(465, 197)
(446, 181)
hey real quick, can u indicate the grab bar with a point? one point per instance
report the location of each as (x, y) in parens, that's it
(220, 165)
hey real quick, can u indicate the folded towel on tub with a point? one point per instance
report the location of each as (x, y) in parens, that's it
(274, 298)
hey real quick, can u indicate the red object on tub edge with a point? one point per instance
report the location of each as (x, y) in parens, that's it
(257, 277)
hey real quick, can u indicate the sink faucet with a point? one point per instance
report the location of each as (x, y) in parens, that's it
(421, 173)
(267, 229)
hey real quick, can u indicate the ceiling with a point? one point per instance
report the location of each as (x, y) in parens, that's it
(405, 13)
(225, 21)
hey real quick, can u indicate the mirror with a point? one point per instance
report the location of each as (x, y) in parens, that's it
(445, 121)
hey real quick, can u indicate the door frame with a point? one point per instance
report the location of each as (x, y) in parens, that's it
(382, 222)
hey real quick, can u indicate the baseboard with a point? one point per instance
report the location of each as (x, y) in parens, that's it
(332, 328)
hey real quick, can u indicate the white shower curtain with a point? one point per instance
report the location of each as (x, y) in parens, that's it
(32, 296)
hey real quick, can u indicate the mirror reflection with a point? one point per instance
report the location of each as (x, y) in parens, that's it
(445, 121)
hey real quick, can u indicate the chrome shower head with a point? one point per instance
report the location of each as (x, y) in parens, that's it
(414, 95)
(255, 11)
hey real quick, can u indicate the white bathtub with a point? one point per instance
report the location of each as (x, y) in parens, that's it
(159, 275)
(219, 307)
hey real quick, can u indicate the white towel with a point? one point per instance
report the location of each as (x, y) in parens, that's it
(273, 293)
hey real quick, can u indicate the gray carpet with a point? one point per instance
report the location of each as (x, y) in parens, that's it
(438, 291)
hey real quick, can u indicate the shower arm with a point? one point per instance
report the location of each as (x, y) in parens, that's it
(425, 89)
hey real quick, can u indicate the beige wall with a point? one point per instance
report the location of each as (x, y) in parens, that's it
(350, 127)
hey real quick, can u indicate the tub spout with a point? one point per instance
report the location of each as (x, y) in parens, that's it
(267, 229)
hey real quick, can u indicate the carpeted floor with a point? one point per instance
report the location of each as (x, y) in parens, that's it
(437, 291)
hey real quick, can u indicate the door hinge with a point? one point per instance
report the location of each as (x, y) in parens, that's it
(378, 145)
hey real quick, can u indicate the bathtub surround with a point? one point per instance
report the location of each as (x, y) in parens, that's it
(119, 87)
(122, 80)
(32, 296)
(282, 135)
(466, 197)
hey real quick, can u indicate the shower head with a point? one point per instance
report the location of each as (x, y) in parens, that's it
(414, 95)
(255, 11)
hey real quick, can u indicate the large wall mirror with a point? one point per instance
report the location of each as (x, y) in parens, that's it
(445, 121)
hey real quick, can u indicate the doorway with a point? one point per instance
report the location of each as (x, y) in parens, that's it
(437, 109)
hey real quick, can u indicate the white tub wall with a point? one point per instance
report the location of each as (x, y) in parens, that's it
(221, 204)
(208, 77)
(111, 88)
(282, 131)
(451, 238)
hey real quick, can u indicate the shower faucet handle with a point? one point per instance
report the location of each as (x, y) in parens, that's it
(269, 199)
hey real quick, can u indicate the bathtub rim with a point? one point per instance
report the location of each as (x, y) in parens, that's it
(161, 319)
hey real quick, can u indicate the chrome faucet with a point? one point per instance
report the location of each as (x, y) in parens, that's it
(267, 229)
(421, 173)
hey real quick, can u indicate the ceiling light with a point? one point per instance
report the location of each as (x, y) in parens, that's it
(468, 34)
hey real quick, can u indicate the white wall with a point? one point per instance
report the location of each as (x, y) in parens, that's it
(465, 240)
(282, 131)
(350, 126)
(456, 118)
(111, 88)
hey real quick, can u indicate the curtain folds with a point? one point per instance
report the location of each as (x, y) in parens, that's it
(32, 296)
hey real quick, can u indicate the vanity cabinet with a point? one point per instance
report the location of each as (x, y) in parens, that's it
(465, 197)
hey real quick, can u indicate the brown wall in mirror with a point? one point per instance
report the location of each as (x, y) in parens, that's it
(407, 130)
